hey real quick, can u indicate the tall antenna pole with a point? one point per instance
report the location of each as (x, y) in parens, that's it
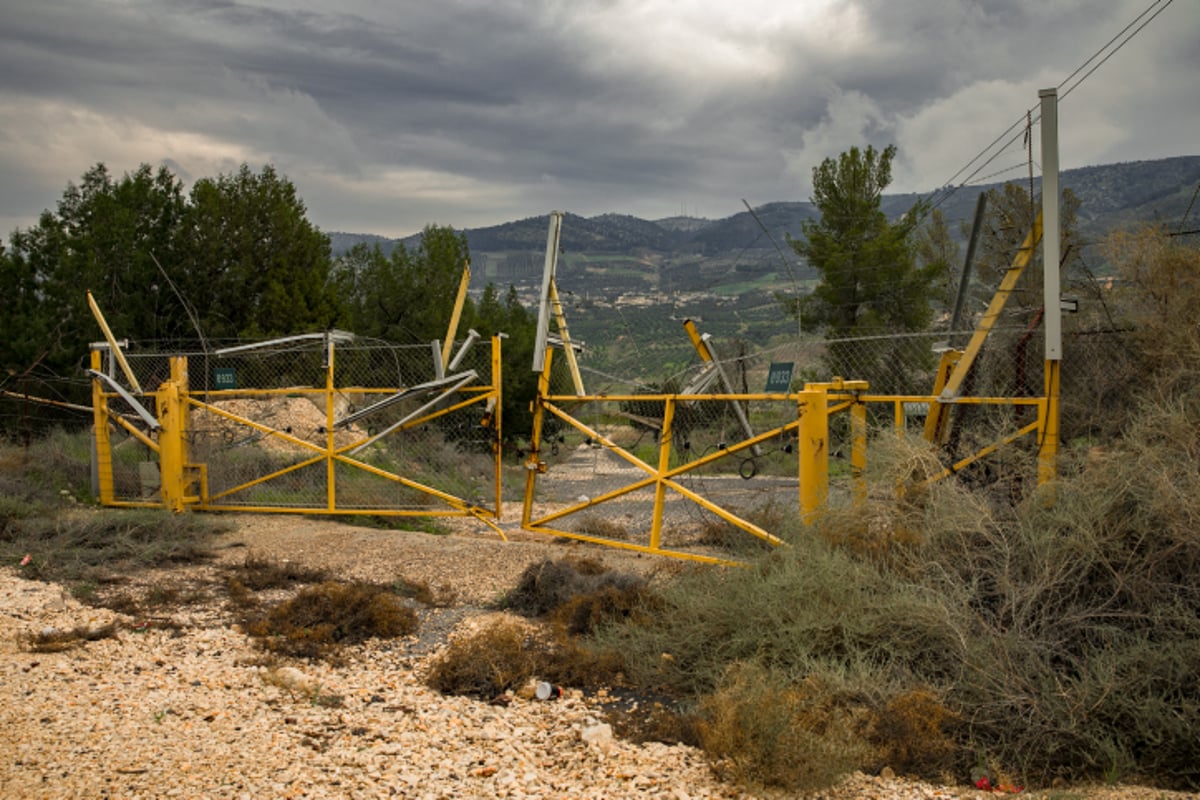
(1051, 235)
(1048, 450)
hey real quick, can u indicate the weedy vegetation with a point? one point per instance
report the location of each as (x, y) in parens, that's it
(952, 626)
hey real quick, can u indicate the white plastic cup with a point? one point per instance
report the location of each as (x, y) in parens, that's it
(547, 691)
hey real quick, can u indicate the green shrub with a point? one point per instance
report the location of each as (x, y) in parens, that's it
(1082, 618)
(796, 608)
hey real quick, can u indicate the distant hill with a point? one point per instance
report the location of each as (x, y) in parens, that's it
(1112, 196)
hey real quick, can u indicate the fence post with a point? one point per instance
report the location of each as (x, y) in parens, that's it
(1048, 413)
(102, 478)
(497, 422)
(858, 452)
(813, 409)
(534, 464)
(171, 405)
(664, 465)
(330, 433)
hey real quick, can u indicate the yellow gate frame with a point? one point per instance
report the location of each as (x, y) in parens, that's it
(184, 484)
(815, 404)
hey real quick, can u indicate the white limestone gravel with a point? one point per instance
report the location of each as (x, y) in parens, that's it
(163, 712)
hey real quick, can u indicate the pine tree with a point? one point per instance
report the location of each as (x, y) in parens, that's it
(871, 283)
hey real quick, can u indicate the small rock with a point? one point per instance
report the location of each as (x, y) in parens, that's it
(596, 733)
(293, 680)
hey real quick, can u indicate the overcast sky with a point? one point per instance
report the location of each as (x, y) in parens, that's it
(389, 115)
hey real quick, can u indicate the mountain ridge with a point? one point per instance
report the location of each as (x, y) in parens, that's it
(1111, 196)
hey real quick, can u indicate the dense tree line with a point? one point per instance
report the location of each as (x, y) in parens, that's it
(233, 258)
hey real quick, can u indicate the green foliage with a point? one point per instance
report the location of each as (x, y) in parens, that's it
(407, 298)
(236, 257)
(103, 236)
(849, 622)
(871, 282)
(869, 278)
(1058, 641)
(252, 265)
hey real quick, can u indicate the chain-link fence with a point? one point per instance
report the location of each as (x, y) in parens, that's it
(619, 468)
(312, 423)
(662, 472)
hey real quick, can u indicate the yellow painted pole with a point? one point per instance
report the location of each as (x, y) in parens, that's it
(497, 422)
(664, 466)
(112, 344)
(456, 314)
(814, 451)
(1048, 447)
(330, 439)
(182, 379)
(533, 464)
(697, 342)
(171, 455)
(937, 421)
(561, 319)
(858, 453)
(104, 468)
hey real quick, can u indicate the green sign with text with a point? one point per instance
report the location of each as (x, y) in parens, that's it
(224, 378)
(779, 378)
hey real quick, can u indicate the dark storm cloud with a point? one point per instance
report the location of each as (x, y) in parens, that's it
(391, 115)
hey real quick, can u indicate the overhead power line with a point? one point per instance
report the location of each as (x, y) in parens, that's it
(1033, 115)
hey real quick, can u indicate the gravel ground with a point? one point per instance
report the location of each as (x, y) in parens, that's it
(186, 710)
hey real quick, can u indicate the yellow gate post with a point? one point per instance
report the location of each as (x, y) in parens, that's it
(813, 432)
(664, 466)
(104, 469)
(497, 422)
(858, 452)
(330, 435)
(1048, 446)
(172, 437)
(534, 465)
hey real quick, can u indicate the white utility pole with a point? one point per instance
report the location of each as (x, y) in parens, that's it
(1051, 235)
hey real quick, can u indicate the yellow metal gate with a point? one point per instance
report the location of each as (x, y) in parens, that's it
(317, 424)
